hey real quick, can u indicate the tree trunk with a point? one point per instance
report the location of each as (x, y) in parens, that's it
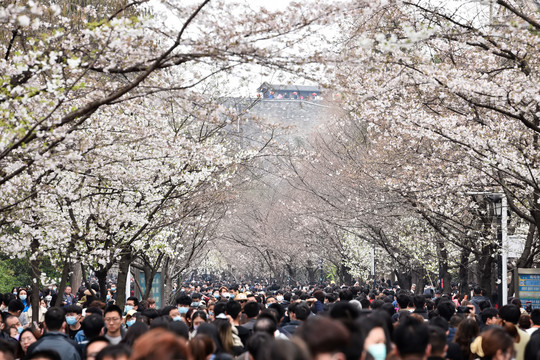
(63, 282)
(102, 282)
(36, 275)
(76, 277)
(149, 275)
(463, 272)
(404, 279)
(485, 266)
(167, 282)
(526, 258)
(123, 272)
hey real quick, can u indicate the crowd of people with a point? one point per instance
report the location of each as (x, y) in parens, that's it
(211, 322)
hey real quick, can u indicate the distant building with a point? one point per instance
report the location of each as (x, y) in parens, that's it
(289, 92)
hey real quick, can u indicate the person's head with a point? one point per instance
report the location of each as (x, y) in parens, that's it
(160, 344)
(15, 307)
(67, 291)
(92, 326)
(411, 338)
(278, 310)
(466, 332)
(300, 311)
(225, 334)
(437, 341)
(114, 352)
(94, 346)
(319, 295)
(171, 311)
(533, 347)
(179, 328)
(23, 294)
(284, 350)
(28, 337)
(510, 313)
(7, 350)
(493, 344)
(403, 300)
(197, 318)
(266, 322)
(490, 316)
(48, 354)
(73, 314)
(183, 302)
(234, 308)
(132, 303)
(271, 300)
(113, 319)
(375, 335)
(525, 321)
(419, 301)
(12, 322)
(324, 337)
(446, 309)
(94, 310)
(201, 346)
(150, 314)
(252, 309)
(345, 295)
(55, 319)
(535, 316)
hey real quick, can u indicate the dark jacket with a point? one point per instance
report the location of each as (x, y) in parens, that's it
(422, 312)
(476, 300)
(291, 326)
(59, 342)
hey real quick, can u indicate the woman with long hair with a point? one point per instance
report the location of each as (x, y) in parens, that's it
(466, 333)
(197, 318)
(493, 344)
(29, 336)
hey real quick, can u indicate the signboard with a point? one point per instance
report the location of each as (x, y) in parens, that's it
(528, 286)
(156, 287)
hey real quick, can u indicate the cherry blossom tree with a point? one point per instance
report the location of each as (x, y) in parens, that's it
(448, 99)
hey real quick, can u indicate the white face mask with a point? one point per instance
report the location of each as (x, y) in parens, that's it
(279, 298)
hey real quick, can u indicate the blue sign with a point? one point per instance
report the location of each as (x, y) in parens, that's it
(529, 289)
(156, 287)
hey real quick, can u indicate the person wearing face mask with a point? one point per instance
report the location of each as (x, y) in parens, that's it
(130, 318)
(12, 322)
(224, 293)
(73, 320)
(113, 292)
(55, 338)
(183, 303)
(42, 311)
(195, 300)
(23, 296)
(132, 303)
(197, 318)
